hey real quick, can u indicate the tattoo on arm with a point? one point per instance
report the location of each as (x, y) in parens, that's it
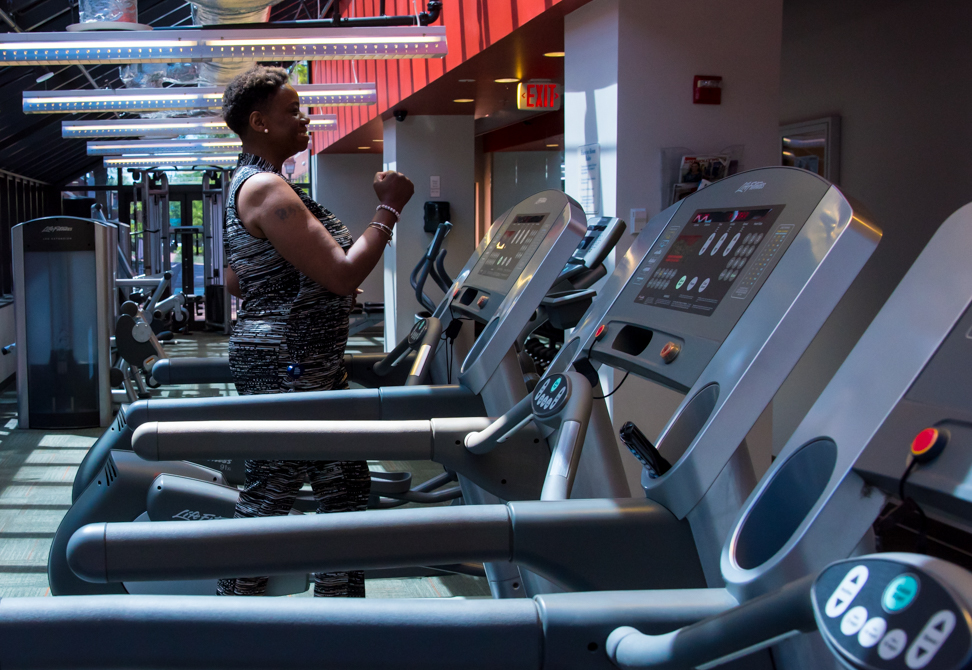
(284, 213)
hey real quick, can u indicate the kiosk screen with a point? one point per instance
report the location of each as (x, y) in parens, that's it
(714, 249)
(505, 253)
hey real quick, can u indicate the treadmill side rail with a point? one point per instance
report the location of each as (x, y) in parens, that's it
(578, 544)
(552, 631)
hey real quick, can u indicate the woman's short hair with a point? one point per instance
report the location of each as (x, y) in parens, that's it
(249, 91)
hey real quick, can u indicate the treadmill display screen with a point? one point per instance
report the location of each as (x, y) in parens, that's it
(713, 250)
(506, 251)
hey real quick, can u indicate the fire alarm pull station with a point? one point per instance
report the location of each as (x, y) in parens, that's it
(707, 90)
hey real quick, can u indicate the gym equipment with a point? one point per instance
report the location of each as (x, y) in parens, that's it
(502, 285)
(216, 297)
(922, 608)
(151, 189)
(63, 270)
(914, 345)
(901, 393)
(875, 612)
(798, 244)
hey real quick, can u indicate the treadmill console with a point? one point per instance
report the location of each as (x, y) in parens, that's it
(603, 233)
(520, 263)
(878, 614)
(703, 262)
(515, 243)
(510, 250)
(699, 277)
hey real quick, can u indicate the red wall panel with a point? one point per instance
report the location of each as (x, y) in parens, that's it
(471, 26)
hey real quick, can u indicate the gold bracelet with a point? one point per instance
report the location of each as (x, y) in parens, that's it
(383, 228)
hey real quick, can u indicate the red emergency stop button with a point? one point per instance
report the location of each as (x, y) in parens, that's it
(482, 301)
(928, 444)
(670, 352)
(599, 333)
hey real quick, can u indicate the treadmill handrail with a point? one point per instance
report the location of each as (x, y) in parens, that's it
(751, 626)
(421, 272)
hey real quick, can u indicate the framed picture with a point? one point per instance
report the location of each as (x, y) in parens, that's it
(814, 146)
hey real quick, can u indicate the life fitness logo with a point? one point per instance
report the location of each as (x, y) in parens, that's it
(751, 186)
(57, 229)
(537, 95)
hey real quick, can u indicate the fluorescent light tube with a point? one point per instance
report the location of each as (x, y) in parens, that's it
(161, 99)
(222, 44)
(211, 146)
(155, 161)
(196, 125)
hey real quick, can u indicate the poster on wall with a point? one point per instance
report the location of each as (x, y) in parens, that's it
(696, 168)
(590, 190)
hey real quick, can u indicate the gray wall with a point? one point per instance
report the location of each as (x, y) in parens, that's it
(516, 175)
(628, 86)
(343, 184)
(894, 71)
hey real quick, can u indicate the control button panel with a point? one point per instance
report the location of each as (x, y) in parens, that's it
(551, 395)
(417, 332)
(878, 614)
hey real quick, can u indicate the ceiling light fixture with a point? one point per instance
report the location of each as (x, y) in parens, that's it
(554, 54)
(219, 44)
(177, 161)
(197, 125)
(213, 146)
(553, 145)
(507, 80)
(364, 147)
(464, 100)
(211, 97)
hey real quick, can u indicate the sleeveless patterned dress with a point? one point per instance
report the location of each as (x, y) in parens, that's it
(288, 319)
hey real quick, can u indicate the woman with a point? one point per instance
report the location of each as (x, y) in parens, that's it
(296, 268)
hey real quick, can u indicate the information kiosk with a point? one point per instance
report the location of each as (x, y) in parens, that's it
(64, 273)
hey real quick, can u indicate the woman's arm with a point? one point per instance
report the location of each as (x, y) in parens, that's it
(270, 209)
(232, 282)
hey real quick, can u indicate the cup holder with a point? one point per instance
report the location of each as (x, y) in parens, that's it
(689, 423)
(784, 503)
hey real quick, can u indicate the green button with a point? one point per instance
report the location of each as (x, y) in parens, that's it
(680, 282)
(900, 593)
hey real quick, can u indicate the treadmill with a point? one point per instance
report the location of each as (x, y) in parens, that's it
(529, 246)
(551, 630)
(799, 242)
(892, 425)
(192, 370)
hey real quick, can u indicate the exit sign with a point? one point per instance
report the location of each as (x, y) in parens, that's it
(537, 95)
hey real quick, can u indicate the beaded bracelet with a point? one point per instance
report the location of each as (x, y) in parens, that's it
(398, 215)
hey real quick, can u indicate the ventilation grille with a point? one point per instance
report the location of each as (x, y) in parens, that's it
(111, 472)
(121, 420)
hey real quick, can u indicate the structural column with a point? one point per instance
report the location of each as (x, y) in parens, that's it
(429, 150)
(343, 184)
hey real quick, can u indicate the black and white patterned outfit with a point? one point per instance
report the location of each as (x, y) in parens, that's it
(287, 318)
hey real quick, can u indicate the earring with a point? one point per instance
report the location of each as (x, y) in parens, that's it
(266, 130)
